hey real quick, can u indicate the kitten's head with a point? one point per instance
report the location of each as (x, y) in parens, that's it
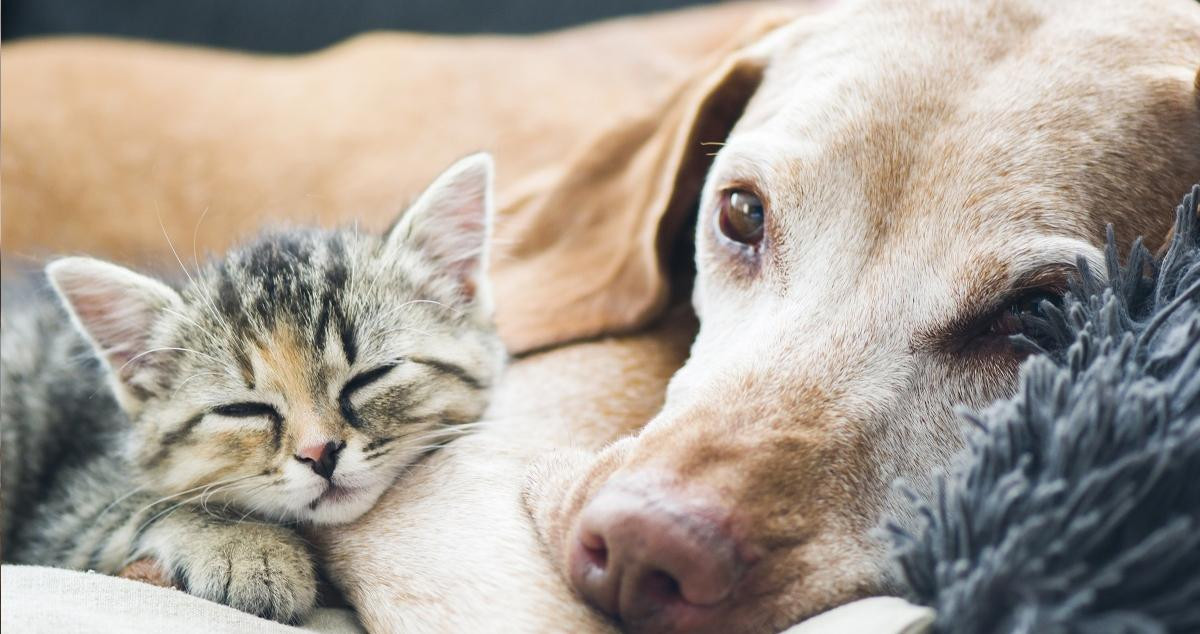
(299, 375)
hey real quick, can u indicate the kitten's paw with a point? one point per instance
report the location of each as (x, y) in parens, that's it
(264, 570)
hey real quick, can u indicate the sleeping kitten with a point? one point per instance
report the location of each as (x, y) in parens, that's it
(289, 382)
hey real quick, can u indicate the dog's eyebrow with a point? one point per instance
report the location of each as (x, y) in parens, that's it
(743, 163)
(1030, 256)
(1039, 263)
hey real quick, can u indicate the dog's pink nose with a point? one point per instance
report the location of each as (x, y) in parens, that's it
(657, 560)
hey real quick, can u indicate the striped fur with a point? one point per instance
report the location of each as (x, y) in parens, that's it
(176, 434)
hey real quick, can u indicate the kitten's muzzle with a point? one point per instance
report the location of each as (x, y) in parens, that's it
(321, 458)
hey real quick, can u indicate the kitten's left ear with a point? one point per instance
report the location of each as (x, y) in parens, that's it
(117, 310)
(451, 223)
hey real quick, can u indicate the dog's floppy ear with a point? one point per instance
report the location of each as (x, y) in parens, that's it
(581, 249)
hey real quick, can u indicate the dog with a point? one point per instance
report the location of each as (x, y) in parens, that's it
(898, 183)
(924, 173)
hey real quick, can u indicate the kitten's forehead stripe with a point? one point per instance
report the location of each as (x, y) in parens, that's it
(298, 278)
(349, 343)
(322, 325)
(229, 304)
(337, 270)
(280, 267)
(228, 300)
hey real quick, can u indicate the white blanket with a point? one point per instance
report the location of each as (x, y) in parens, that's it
(54, 601)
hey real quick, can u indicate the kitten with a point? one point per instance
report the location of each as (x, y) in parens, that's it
(289, 382)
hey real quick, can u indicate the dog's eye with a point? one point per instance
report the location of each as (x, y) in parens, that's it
(1024, 315)
(740, 216)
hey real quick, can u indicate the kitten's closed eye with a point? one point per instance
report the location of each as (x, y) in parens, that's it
(246, 410)
(364, 379)
(357, 382)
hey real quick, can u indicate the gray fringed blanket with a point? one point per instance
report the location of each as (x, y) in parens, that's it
(1077, 505)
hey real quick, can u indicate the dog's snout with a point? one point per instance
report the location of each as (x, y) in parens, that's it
(656, 558)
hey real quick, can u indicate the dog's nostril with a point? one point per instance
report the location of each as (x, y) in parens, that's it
(597, 556)
(595, 550)
(661, 587)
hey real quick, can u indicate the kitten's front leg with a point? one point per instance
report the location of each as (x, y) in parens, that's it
(96, 518)
(262, 569)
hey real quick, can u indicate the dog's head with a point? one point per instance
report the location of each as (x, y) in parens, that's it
(896, 185)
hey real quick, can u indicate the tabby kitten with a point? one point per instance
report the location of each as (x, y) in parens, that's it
(289, 382)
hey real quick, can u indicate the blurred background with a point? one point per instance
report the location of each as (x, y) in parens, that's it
(292, 26)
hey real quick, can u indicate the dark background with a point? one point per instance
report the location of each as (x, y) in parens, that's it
(289, 26)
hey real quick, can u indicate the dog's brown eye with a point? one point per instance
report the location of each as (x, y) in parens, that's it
(1025, 316)
(740, 216)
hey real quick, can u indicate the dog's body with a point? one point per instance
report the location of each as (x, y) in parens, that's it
(921, 167)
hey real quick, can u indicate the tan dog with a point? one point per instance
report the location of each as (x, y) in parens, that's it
(918, 168)
(908, 178)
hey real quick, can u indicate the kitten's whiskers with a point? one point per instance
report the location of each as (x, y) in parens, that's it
(158, 213)
(186, 491)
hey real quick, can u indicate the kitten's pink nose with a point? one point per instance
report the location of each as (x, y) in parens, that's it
(322, 457)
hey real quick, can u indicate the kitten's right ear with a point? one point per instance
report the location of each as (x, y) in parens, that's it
(451, 224)
(114, 307)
